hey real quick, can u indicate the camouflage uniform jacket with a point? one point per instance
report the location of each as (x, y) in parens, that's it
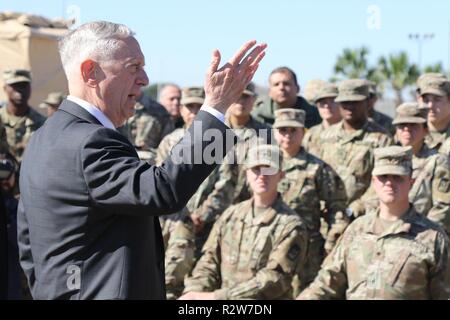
(430, 193)
(249, 257)
(142, 129)
(311, 140)
(167, 143)
(308, 180)
(384, 121)
(439, 141)
(405, 261)
(264, 111)
(351, 154)
(233, 168)
(20, 129)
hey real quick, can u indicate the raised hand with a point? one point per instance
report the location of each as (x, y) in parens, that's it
(225, 85)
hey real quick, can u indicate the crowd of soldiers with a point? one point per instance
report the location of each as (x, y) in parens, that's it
(320, 199)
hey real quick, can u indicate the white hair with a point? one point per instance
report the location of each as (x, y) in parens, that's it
(97, 40)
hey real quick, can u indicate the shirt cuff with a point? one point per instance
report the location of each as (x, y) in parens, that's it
(217, 114)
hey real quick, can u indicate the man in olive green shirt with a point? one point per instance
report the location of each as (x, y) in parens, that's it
(283, 93)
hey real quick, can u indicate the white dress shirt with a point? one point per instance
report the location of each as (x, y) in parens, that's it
(103, 119)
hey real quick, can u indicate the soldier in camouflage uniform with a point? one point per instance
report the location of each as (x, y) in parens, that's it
(308, 181)
(348, 145)
(19, 119)
(52, 102)
(249, 132)
(392, 252)
(283, 93)
(148, 126)
(423, 79)
(430, 193)
(329, 112)
(191, 102)
(256, 246)
(434, 92)
(226, 185)
(380, 118)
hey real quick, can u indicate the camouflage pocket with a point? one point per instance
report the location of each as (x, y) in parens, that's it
(397, 268)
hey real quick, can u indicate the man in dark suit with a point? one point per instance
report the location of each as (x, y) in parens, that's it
(87, 218)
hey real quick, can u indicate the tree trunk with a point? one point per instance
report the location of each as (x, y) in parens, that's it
(398, 97)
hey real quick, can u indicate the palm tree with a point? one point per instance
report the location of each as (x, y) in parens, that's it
(398, 72)
(436, 68)
(353, 64)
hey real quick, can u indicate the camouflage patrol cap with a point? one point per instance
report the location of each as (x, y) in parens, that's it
(53, 99)
(393, 160)
(16, 75)
(328, 90)
(311, 88)
(250, 90)
(426, 76)
(434, 85)
(410, 112)
(353, 90)
(288, 117)
(264, 155)
(192, 95)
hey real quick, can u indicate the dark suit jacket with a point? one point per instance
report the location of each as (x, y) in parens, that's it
(87, 218)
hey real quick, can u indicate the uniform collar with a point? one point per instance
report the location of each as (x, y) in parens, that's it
(267, 217)
(348, 137)
(402, 225)
(300, 160)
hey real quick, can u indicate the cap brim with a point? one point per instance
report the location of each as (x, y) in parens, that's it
(17, 80)
(391, 170)
(287, 124)
(436, 92)
(408, 120)
(324, 96)
(192, 100)
(263, 162)
(356, 97)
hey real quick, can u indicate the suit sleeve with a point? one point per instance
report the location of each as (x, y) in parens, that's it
(119, 182)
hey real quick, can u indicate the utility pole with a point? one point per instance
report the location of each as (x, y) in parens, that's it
(420, 38)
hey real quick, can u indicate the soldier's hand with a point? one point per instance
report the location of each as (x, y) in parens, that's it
(225, 85)
(197, 221)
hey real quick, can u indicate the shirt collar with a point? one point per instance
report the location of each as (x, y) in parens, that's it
(94, 111)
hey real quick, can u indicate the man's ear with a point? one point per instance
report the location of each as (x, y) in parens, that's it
(89, 72)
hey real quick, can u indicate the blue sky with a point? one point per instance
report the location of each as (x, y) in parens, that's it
(177, 37)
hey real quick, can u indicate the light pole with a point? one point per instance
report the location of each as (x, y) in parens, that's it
(420, 38)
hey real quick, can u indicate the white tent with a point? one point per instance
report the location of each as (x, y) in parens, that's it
(33, 48)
